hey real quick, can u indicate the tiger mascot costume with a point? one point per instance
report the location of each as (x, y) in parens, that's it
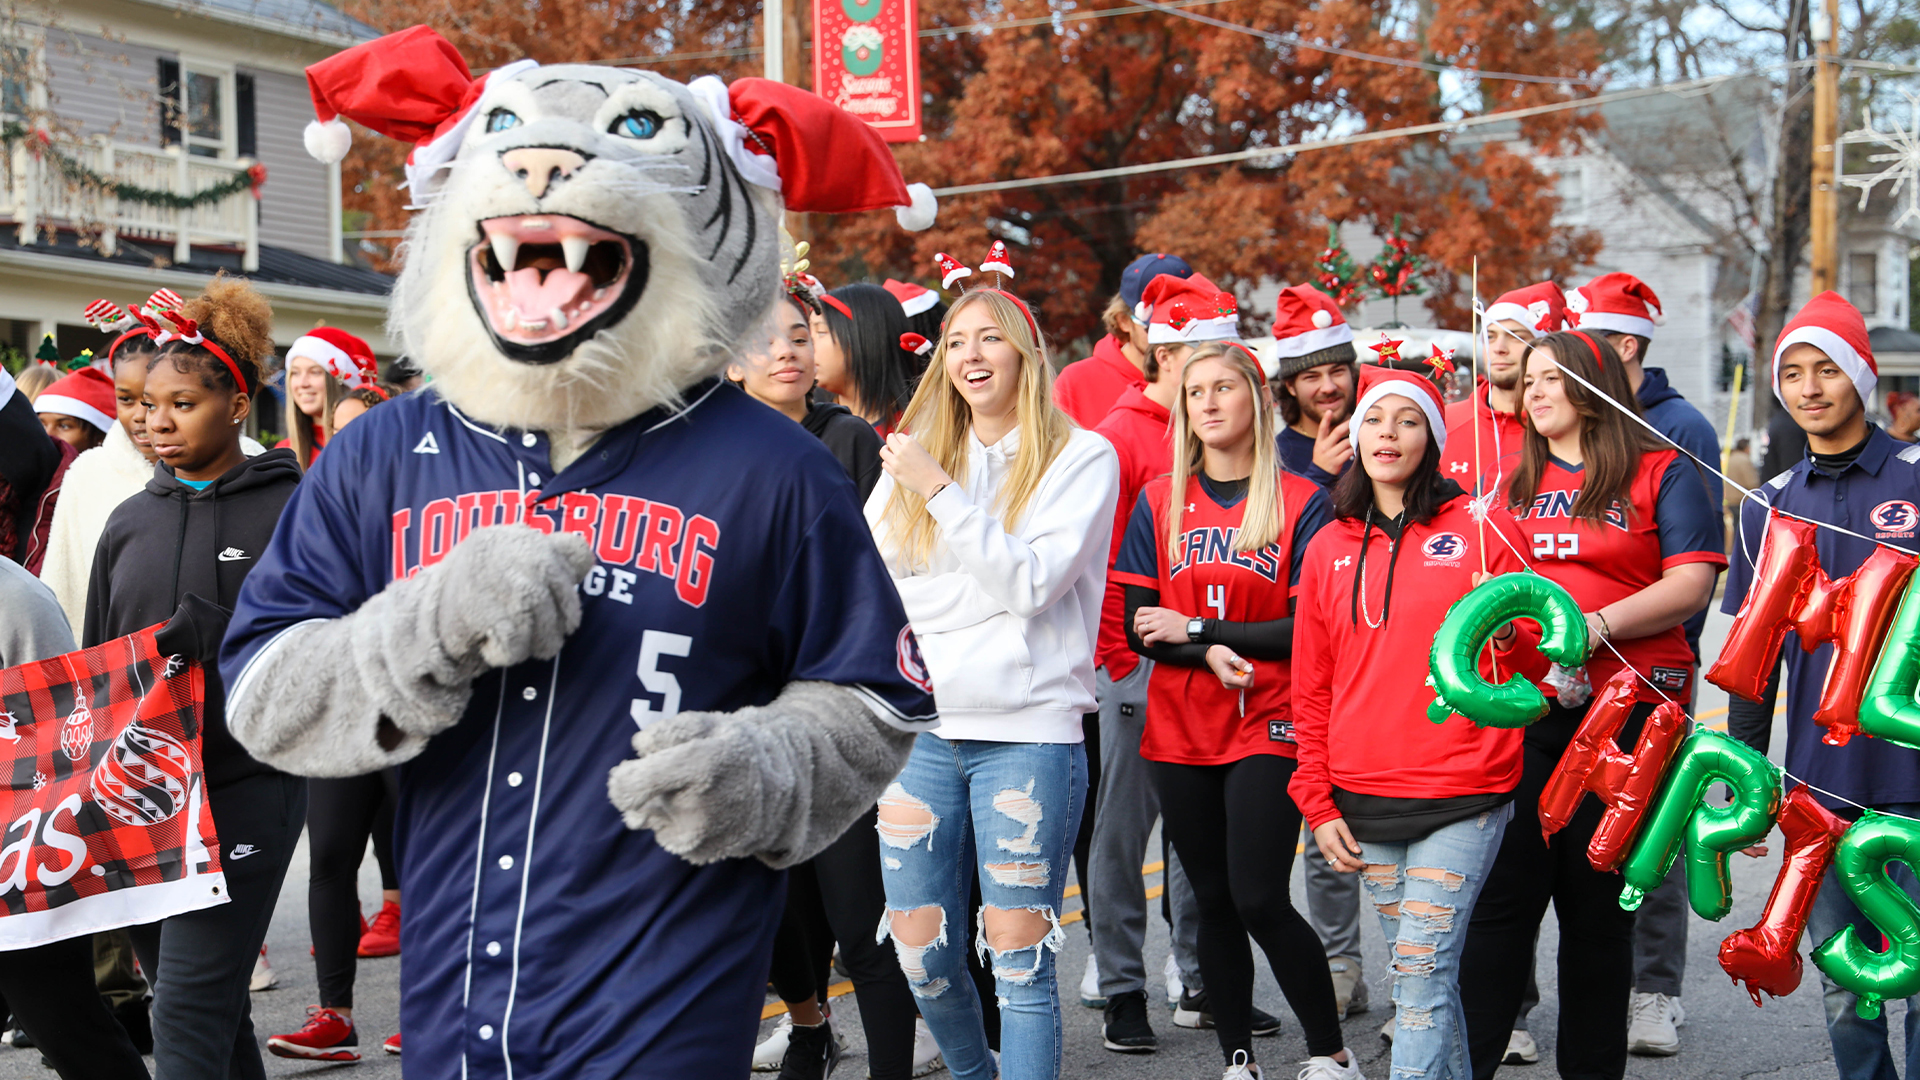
(621, 628)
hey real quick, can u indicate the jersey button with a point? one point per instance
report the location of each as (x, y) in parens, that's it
(514, 779)
(529, 693)
(486, 1030)
(533, 478)
(493, 948)
(506, 862)
(529, 439)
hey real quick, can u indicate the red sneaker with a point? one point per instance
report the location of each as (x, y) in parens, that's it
(382, 936)
(328, 1036)
(392, 1045)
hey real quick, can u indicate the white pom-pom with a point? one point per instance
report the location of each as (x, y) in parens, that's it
(328, 142)
(918, 214)
(1659, 318)
(1322, 319)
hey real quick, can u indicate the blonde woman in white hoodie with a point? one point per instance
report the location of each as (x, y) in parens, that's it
(994, 516)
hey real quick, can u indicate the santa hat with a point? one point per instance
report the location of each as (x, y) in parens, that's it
(914, 299)
(345, 357)
(1540, 308)
(1184, 310)
(87, 394)
(413, 85)
(1378, 382)
(1308, 331)
(1615, 303)
(1833, 326)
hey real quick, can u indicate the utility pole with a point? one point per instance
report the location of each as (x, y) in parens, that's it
(773, 46)
(1824, 204)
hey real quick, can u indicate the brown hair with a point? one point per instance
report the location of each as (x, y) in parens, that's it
(236, 317)
(1118, 319)
(1610, 442)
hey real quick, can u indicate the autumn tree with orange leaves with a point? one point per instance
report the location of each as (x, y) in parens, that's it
(1076, 94)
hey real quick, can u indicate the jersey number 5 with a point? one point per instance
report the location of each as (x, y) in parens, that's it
(1556, 546)
(653, 645)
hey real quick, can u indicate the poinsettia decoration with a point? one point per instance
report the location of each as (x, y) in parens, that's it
(1335, 272)
(1396, 271)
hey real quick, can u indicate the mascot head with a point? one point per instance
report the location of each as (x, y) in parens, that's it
(591, 240)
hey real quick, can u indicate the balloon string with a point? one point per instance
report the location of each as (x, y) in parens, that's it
(1692, 724)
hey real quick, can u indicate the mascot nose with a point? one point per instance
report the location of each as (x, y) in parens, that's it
(538, 165)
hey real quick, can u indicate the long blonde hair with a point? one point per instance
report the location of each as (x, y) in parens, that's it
(1266, 510)
(940, 420)
(300, 426)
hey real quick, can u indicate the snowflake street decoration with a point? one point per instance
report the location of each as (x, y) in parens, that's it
(1900, 164)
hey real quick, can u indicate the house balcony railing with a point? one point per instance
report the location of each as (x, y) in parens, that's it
(38, 191)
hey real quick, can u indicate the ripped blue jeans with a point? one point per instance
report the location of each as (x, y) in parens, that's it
(1009, 813)
(1423, 891)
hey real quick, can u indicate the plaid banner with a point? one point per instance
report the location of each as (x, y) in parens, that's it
(107, 824)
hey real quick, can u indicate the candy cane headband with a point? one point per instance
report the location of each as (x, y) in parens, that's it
(187, 331)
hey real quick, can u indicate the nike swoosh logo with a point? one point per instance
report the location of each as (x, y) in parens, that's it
(241, 851)
(233, 555)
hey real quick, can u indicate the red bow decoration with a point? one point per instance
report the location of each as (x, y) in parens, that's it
(257, 175)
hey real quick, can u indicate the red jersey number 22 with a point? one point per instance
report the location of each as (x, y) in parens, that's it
(1556, 545)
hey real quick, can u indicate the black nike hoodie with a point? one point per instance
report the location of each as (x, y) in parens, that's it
(171, 541)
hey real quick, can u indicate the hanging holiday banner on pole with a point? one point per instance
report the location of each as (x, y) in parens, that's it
(866, 59)
(107, 823)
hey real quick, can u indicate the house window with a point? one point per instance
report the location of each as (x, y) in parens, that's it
(16, 81)
(1863, 281)
(197, 108)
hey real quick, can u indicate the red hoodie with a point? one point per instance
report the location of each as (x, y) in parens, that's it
(1086, 390)
(1498, 450)
(1141, 432)
(1360, 694)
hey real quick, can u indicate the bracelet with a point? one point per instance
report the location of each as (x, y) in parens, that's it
(1606, 631)
(938, 490)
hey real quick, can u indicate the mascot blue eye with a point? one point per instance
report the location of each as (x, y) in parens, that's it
(638, 124)
(501, 120)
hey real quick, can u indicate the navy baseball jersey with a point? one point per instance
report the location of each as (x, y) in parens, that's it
(543, 937)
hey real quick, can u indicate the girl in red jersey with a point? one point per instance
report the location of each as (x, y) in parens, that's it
(1624, 524)
(1210, 556)
(1419, 808)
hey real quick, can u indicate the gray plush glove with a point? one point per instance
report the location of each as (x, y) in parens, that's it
(503, 595)
(778, 782)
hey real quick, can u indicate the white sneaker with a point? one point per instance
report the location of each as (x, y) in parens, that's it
(1386, 1029)
(1521, 1049)
(1242, 1068)
(263, 974)
(926, 1052)
(1325, 1068)
(1679, 1014)
(1175, 985)
(770, 1053)
(1090, 994)
(1652, 1034)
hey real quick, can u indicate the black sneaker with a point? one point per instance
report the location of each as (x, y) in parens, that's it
(1193, 1012)
(1127, 1030)
(812, 1052)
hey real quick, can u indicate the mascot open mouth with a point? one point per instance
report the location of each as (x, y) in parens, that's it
(545, 283)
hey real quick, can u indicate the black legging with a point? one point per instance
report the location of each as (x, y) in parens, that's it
(837, 895)
(1235, 828)
(1596, 936)
(1083, 840)
(341, 815)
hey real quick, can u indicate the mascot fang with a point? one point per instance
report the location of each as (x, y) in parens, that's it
(621, 628)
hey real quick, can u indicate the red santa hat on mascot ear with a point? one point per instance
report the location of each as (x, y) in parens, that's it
(1377, 382)
(1615, 303)
(413, 85)
(1540, 308)
(1834, 326)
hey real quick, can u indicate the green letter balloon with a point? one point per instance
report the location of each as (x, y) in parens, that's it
(1709, 832)
(1454, 663)
(1890, 709)
(1861, 865)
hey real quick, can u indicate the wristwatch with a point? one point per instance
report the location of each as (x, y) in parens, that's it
(1195, 628)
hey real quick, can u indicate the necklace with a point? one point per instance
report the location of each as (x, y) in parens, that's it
(1362, 571)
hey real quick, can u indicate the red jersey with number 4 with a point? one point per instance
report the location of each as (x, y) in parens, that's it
(1667, 521)
(1191, 718)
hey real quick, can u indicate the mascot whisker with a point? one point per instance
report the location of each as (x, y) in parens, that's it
(620, 627)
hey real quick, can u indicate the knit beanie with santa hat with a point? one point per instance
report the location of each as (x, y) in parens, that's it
(1827, 323)
(1541, 308)
(413, 85)
(86, 394)
(1377, 382)
(345, 356)
(1615, 303)
(1188, 310)
(1309, 331)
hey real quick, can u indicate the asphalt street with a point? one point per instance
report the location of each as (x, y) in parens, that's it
(1725, 1036)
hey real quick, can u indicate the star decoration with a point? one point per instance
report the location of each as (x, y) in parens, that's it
(1441, 361)
(1901, 164)
(1388, 351)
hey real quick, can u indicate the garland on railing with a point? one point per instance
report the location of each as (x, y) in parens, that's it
(40, 145)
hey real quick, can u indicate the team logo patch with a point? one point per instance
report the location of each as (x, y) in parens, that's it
(1668, 678)
(1280, 731)
(911, 665)
(1444, 547)
(1895, 517)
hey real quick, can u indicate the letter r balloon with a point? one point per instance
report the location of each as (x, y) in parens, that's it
(1682, 817)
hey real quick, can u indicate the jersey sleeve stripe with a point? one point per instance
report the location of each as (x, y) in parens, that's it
(1126, 578)
(1685, 557)
(892, 717)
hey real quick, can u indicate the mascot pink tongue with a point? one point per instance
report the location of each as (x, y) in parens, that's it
(628, 670)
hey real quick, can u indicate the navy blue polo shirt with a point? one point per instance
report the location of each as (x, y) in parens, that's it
(1296, 456)
(1869, 771)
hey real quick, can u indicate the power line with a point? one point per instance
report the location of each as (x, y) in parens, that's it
(1356, 139)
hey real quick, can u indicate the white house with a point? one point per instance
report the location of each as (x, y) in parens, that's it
(184, 98)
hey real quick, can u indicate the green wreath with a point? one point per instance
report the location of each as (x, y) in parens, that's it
(74, 170)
